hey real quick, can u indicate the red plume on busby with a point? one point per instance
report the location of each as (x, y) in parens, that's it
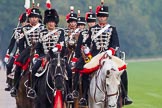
(98, 8)
(101, 10)
(67, 16)
(90, 16)
(71, 16)
(22, 17)
(48, 4)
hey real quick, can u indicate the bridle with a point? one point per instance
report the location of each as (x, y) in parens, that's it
(54, 75)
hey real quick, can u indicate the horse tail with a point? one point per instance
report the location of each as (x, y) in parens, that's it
(58, 101)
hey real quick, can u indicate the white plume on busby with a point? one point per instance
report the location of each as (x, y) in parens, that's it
(33, 3)
(27, 4)
(27, 7)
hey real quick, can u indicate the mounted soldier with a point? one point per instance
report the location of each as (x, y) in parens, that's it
(70, 32)
(16, 41)
(80, 58)
(51, 40)
(31, 37)
(102, 37)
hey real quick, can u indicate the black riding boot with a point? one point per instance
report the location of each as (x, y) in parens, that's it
(124, 86)
(9, 67)
(16, 81)
(32, 93)
(9, 84)
(8, 81)
(69, 96)
(76, 85)
(83, 101)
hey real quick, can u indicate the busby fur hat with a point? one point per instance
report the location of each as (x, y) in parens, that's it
(35, 12)
(71, 16)
(102, 11)
(51, 15)
(90, 16)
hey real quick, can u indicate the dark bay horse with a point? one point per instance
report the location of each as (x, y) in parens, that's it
(51, 83)
(22, 101)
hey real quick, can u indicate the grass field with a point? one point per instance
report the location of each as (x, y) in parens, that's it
(145, 84)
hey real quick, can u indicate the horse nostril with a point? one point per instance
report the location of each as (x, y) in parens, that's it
(111, 106)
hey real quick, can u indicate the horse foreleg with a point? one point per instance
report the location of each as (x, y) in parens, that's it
(76, 103)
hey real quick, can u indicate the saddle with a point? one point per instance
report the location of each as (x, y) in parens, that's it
(94, 64)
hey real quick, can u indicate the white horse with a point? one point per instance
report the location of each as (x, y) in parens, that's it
(105, 84)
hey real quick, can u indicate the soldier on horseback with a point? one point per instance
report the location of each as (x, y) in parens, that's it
(30, 34)
(17, 41)
(52, 40)
(70, 31)
(103, 37)
(81, 58)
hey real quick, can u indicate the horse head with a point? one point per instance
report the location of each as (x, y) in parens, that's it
(57, 70)
(110, 76)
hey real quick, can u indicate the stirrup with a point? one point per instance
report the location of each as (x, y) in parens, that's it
(75, 94)
(31, 94)
(69, 98)
(13, 92)
(83, 102)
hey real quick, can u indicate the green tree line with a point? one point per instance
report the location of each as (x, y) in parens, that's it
(138, 22)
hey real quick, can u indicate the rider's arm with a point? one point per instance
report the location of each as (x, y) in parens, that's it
(114, 40)
(11, 45)
(61, 41)
(79, 45)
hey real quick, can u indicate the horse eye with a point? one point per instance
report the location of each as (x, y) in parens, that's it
(108, 72)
